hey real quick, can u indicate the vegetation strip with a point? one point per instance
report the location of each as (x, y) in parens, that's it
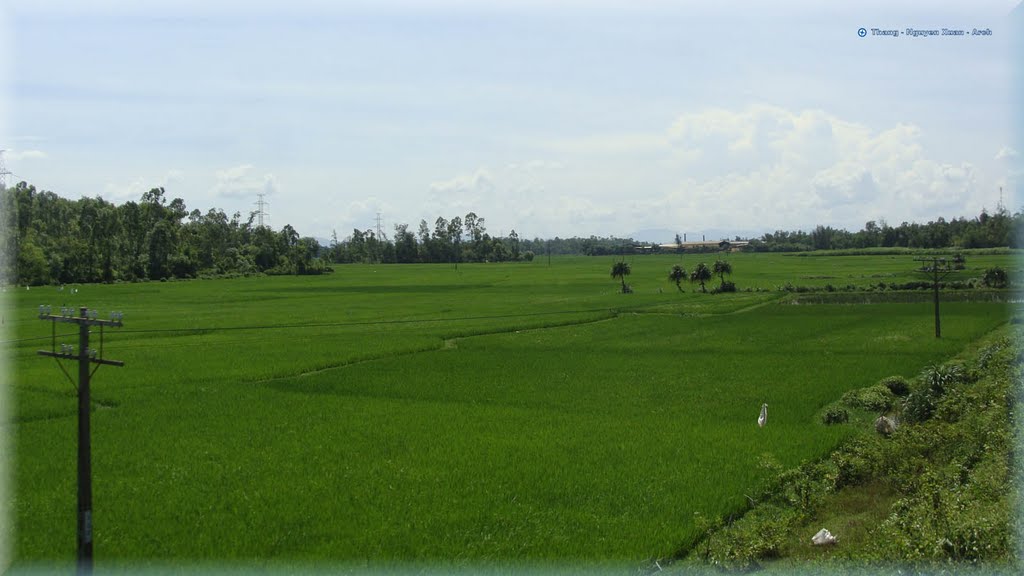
(940, 482)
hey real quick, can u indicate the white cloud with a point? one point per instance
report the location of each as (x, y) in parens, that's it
(173, 176)
(788, 169)
(534, 165)
(25, 155)
(362, 214)
(239, 181)
(845, 183)
(762, 135)
(474, 184)
(1007, 153)
(515, 195)
(617, 143)
(133, 190)
(463, 193)
(754, 168)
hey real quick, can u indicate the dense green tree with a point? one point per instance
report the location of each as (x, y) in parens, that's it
(162, 243)
(677, 275)
(701, 274)
(426, 249)
(455, 237)
(513, 244)
(441, 242)
(721, 267)
(133, 242)
(305, 256)
(405, 244)
(33, 268)
(996, 277)
(476, 230)
(499, 252)
(620, 270)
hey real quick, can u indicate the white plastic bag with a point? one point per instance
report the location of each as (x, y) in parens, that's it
(823, 537)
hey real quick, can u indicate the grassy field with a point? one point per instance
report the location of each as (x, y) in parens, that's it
(495, 413)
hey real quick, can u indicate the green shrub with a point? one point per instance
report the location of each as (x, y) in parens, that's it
(955, 405)
(990, 353)
(726, 286)
(855, 463)
(834, 414)
(942, 378)
(995, 278)
(877, 398)
(758, 535)
(898, 385)
(921, 403)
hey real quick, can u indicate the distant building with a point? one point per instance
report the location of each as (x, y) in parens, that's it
(726, 245)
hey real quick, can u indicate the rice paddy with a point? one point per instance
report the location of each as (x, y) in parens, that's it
(490, 414)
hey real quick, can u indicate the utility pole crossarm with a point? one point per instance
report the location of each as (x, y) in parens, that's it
(77, 320)
(69, 356)
(86, 317)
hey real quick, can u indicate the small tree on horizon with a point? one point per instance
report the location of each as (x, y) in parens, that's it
(722, 268)
(701, 274)
(620, 270)
(677, 275)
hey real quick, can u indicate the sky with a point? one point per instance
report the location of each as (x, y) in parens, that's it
(563, 118)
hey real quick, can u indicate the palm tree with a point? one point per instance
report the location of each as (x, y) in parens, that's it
(722, 268)
(677, 275)
(701, 274)
(620, 270)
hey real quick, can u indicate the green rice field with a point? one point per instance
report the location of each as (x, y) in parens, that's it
(489, 414)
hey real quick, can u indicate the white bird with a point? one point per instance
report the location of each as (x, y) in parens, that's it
(763, 418)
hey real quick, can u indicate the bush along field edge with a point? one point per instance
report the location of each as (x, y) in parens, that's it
(927, 484)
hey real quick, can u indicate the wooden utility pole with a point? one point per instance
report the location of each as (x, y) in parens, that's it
(939, 269)
(85, 356)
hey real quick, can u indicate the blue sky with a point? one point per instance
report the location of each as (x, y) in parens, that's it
(550, 118)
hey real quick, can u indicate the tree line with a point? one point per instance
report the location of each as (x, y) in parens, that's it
(701, 274)
(56, 240)
(999, 229)
(461, 239)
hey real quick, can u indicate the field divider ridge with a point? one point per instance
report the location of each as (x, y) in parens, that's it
(446, 343)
